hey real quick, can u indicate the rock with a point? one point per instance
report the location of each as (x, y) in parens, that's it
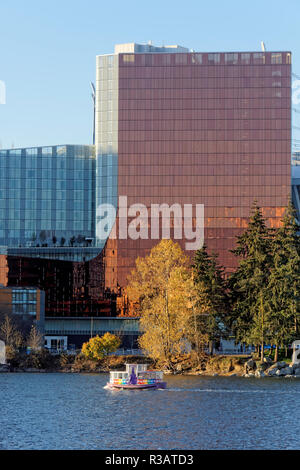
(284, 371)
(215, 375)
(272, 372)
(281, 365)
(289, 376)
(249, 374)
(268, 360)
(233, 375)
(250, 365)
(4, 368)
(259, 373)
(263, 366)
(297, 372)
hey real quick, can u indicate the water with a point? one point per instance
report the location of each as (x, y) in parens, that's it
(73, 411)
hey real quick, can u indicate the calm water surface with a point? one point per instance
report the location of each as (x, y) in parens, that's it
(73, 411)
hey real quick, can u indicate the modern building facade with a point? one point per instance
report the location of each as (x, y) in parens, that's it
(296, 184)
(23, 303)
(47, 228)
(47, 196)
(70, 333)
(173, 127)
(179, 127)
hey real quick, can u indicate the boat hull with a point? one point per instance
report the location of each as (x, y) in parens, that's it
(161, 385)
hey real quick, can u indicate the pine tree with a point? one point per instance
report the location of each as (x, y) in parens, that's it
(284, 282)
(213, 299)
(249, 283)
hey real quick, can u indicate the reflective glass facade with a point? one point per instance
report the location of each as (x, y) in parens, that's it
(172, 127)
(47, 192)
(201, 128)
(71, 288)
(107, 106)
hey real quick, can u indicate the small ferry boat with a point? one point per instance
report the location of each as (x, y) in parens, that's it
(136, 377)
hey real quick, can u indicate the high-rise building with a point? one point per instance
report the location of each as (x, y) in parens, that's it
(173, 128)
(47, 228)
(179, 127)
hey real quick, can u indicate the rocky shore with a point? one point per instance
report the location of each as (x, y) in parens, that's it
(270, 369)
(185, 364)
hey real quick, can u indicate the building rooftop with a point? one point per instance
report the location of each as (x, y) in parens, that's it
(134, 47)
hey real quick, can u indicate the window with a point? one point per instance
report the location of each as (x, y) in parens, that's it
(47, 151)
(128, 58)
(61, 150)
(288, 58)
(166, 59)
(31, 151)
(231, 58)
(213, 59)
(181, 59)
(148, 59)
(245, 58)
(196, 58)
(259, 58)
(110, 60)
(276, 58)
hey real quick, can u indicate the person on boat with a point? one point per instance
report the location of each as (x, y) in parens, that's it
(133, 378)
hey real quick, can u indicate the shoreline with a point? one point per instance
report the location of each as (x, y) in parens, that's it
(184, 365)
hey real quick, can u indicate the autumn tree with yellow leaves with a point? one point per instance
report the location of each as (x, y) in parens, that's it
(161, 287)
(99, 347)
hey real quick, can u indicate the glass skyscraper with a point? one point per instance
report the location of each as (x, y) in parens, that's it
(185, 127)
(47, 196)
(172, 126)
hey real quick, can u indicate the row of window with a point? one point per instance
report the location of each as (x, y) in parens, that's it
(243, 58)
(23, 296)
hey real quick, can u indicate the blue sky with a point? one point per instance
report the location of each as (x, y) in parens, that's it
(48, 49)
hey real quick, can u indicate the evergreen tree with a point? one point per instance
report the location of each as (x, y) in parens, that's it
(249, 282)
(212, 295)
(284, 282)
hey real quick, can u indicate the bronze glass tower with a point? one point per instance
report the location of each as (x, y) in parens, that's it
(193, 128)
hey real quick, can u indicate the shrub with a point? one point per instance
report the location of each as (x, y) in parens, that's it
(99, 347)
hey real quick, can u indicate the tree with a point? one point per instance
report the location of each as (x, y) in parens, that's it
(72, 241)
(284, 282)
(99, 347)
(33, 237)
(158, 287)
(199, 306)
(43, 236)
(9, 333)
(212, 301)
(249, 320)
(80, 239)
(35, 339)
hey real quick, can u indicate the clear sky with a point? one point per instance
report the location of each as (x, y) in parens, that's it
(48, 49)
